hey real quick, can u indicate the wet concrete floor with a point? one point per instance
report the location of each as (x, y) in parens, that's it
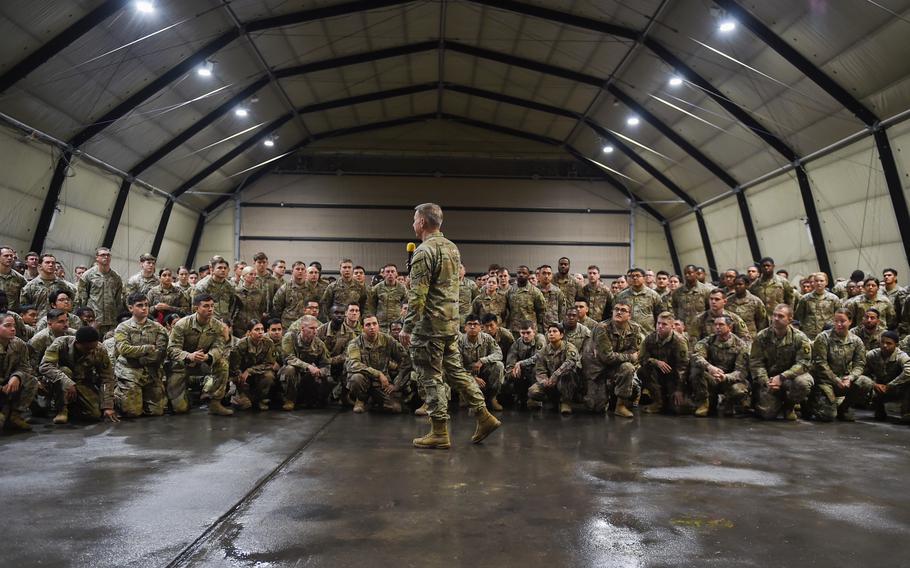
(319, 488)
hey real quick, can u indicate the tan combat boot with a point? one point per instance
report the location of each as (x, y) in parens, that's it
(789, 412)
(218, 409)
(63, 416)
(436, 439)
(494, 404)
(653, 408)
(263, 405)
(16, 422)
(422, 411)
(565, 408)
(486, 424)
(702, 410)
(359, 407)
(288, 405)
(621, 409)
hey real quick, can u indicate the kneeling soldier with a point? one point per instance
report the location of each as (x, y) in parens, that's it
(369, 361)
(889, 367)
(141, 346)
(838, 363)
(720, 366)
(17, 385)
(306, 373)
(664, 359)
(80, 376)
(779, 363)
(557, 378)
(253, 368)
(482, 358)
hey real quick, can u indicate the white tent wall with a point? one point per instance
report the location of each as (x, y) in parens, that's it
(364, 223)
(854, 209)
(85, 206)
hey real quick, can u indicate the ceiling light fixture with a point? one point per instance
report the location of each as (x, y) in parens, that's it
(206, 69)
(727, 25)
(676, 81)
(145, 6)
(269, 142)
(608, 149)
(633, 121)
(241, 112)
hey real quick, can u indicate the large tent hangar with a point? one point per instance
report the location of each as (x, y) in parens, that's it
(651, 133)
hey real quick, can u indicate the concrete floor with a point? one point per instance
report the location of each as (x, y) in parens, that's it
(318, 488)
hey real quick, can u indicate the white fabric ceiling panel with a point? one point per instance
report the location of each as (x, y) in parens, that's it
(217, 238)
(176, 241)
(651, 249)
(728, 237)
(688, 242)
(84, 211)
(26, 25)
(27, 168)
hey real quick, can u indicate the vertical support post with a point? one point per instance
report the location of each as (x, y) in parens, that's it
(895, 187)
(237, 227)
(815, 227)
(674, 257)
(162, 227)
(632, 212)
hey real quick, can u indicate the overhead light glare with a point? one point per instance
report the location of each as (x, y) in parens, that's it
(206, 69)
(727, 26)
(608, 149)
(676, 81)
(633, 121)
(269, 142)
(241, 112)
(145, 6)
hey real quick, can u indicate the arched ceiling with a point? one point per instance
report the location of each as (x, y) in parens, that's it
(508, 79)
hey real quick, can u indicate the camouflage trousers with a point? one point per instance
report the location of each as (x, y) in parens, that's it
(437, 364)
(792, 391)
(901, 393)
(517, 387)
(140, 390)
(562, 392)
(256, 387)
(493, 374)
(301, 387)
(705, 388)
(213, 379)
(822, 401)
(662, 388)
(86, 405)
(363, 387)
(22, 398)
(618, 380)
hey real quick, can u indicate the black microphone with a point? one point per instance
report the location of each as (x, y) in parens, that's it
(410, 248)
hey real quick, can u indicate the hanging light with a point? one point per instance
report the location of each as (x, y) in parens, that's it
(269, 142)
(241, 112)
(633, 121)
(145, 6)
(727, 25)
(206, 69)
(676, 81)
(608, 149)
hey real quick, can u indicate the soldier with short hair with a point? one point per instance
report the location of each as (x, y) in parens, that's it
(521, 363)
(720, 366)
(889, 367)
(37, 289)
(815, 310)
(664, 367)
(17, 381)
(747, 306)
(524, 301)
(56, 325)
(370, 360)
(611, 360)
(779, 361)
(167, 298)
(771, 288)
(554, 300)
(704, 323)
(222, 291)
(481, 356)
(871, 299)
(265, 280)
(645, 302)
(556, 372)
(252, 368)
(386, 298)
(145, 279)
(690, 299)
(566, 281)
(141, 347)
(252, 300)
(11, 281)
(62, 300)
(306, 374)
(490, 302)
(346, 290)
(80, 377)
(196, 349)
(870, 331)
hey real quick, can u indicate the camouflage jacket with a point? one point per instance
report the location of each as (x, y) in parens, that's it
(433, 297)
(385, 303)
(525, 354)
(790, 355)
(385, 355)
(578, 337)
(750, 309)
(337, 341)
(834, 357)
(554, 362)
(300, 355)
(704, 326)
(689, 302)
(36, 291)
(39, 343)
(467, 291)
(815, 311)
(568, 286)
(257, 358)
(731, 356)
(12, 283)
(525, 303)
(251, 304)
(612, 346)
(673, 350)
(141, 344)
(871, 340)
(555, 302)
(268, 285)
(138, 283)
(859, 304)
(484, 349)
(223, 293)
(290, 300)
(173, 296)
(773, 291)
(93, 367)
(490, 304)
(343, 293)
(15, 360)
(103, 293)
(599, 298)
(894, 372)
(189, 335)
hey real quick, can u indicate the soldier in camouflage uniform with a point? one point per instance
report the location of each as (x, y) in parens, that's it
(838, 363)
(62, 300)
(704, 323)
(371, 359)
(597, 295)
(815, 310)
(196, 349)
(554, 299)
(870, 331)
(467, 291)
(566, 281)
(664, 370)
(101, 289)
(779, 362)
(386, 298)
(582, 306)
(345, 290)
(521, 363)
(11, 281)
(79, 376)
(556, 372)
(691, 298)
(183, 282)
(482, 357)
(645, 302)
(771, 288)
(431, 328)
(166, 298)
(266, 281)
(662, 287)
(57, 325)
(891, 290)
(524, 301)
(336, 334)
(306, 374)
(720, 366)
(871, 299)
(145, 279)
(220, 289)
(747, 306)
(17, 382)
(37, 289)
(501, 335)
(576, 333)
(490, 301)
(252, 301)
(141, 346)
(291, 298)
(253, 367)
(611, 360)
(889, 367)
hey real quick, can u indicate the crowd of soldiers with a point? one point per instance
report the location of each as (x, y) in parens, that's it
(253, 337)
